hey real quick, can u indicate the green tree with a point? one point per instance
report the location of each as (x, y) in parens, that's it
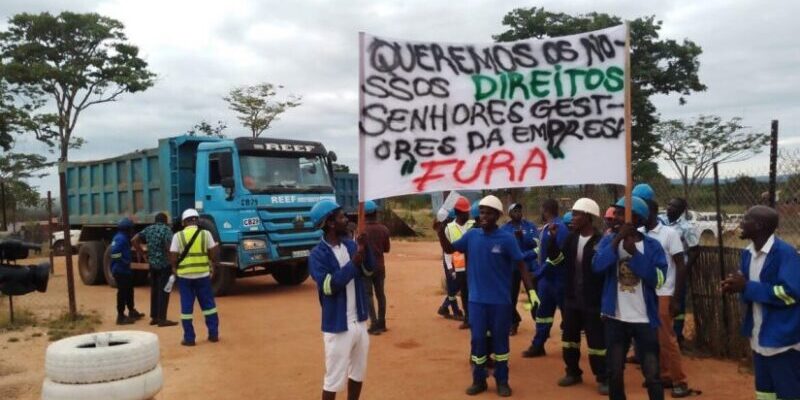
(15, 170)
(257, 106)
(658, 66)
(203, 128)
(693, 148)
(76, 61)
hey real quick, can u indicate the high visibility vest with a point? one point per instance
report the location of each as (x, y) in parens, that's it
(455, 233)
(196, 260)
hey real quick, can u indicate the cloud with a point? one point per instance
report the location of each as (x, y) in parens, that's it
(201, 49)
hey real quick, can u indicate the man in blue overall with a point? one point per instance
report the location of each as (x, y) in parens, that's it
(549, 272)
(634, 266)
(491, 257)
(769, 283)
(123, 275)
(526, 233)
(338, 264)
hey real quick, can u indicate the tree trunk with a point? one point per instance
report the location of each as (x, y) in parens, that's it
(62, 182)
(3, 203)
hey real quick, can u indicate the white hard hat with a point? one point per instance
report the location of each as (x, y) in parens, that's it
(588, 206)
(189, 213)
(492, 202)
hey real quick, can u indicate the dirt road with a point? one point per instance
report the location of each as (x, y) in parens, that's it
(271, 346)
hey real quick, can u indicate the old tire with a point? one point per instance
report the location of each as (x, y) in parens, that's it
(292, 274)
(225, 276)
(77, 360)
(90, 263)
(141, 387)
(107, 268)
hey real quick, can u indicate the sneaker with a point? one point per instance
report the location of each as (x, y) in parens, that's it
(514, 329)
(374, 330)
(153, 322)
(123, 320)
(187, 343)
(464, 325)
(444, 311)
(503, 390)
(681, 390)
(534, 351)
(477, 388)
(136, 315)
(166, 323)
(570, 380)
(458, 315)
(213, 339)
(602, 388)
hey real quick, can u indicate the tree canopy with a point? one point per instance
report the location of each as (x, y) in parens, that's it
(257, 106)
(658, 66)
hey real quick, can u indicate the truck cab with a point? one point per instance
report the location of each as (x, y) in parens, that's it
(254, 195)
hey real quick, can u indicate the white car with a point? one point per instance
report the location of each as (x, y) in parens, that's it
(59, 246)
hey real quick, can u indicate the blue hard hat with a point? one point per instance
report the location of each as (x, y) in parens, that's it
(124, 224)
(567, 218)
(640, 206)
(370, 207)
(322, 210)
(644, 192)
(474, 211)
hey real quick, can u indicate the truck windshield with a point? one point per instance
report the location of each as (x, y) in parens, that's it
(268, 173)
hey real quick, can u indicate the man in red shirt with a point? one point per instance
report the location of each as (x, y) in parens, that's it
(378, 242)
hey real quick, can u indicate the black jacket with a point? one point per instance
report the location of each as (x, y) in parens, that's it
(582, 289)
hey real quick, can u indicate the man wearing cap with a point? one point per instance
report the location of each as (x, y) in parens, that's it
(676, 219)
(193, 255)
(492, 255)
(336, 264)
(526, 233)
(582, 294)
(456, 263)
(634, 266)
(378, 241)
(549, 273)
(123, 275)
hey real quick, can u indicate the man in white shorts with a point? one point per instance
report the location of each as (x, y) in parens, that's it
(337, 264)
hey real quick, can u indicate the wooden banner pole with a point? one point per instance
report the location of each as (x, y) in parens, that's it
(628, 122)
(361, 158)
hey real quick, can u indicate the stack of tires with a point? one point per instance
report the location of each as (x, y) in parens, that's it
(119, 365)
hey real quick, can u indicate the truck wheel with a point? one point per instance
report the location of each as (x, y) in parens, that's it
(292, 274)
(144, 386)
(223, 280)
(107, 268)
(80, 360)
(90, 263)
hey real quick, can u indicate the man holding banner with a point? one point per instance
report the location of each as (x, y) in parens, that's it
(492, 255)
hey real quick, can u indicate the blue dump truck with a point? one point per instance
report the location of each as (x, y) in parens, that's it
(254, 195)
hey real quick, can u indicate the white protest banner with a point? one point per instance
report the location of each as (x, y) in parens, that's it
(443, 116)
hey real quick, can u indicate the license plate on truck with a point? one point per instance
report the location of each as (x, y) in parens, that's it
(300, 253)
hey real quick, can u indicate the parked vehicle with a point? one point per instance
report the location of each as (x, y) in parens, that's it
(59, 247)
(253, 195)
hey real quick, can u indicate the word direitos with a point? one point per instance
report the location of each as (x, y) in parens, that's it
(540, 83)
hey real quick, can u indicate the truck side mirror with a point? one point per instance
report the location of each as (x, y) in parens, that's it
(332, 156)
(225, 167)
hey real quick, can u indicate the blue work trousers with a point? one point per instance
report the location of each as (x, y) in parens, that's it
(200, 289)
(778, 376)
(551, 295)
(496, 320)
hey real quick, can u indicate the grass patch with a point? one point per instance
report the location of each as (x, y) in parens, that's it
(22, 318)
(64, 326)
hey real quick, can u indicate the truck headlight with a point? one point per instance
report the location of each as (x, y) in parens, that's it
(254, 244)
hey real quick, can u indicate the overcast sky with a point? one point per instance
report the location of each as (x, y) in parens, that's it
(200, 49)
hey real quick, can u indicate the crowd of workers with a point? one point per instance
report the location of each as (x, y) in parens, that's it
(621, 284)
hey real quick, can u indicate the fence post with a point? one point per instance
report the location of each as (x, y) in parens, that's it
(3, 204)
(721, 252)
(11, 309)
(50, 230)
(773, 164)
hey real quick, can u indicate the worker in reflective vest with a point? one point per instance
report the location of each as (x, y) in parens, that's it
(194, 273)
(456, 263)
